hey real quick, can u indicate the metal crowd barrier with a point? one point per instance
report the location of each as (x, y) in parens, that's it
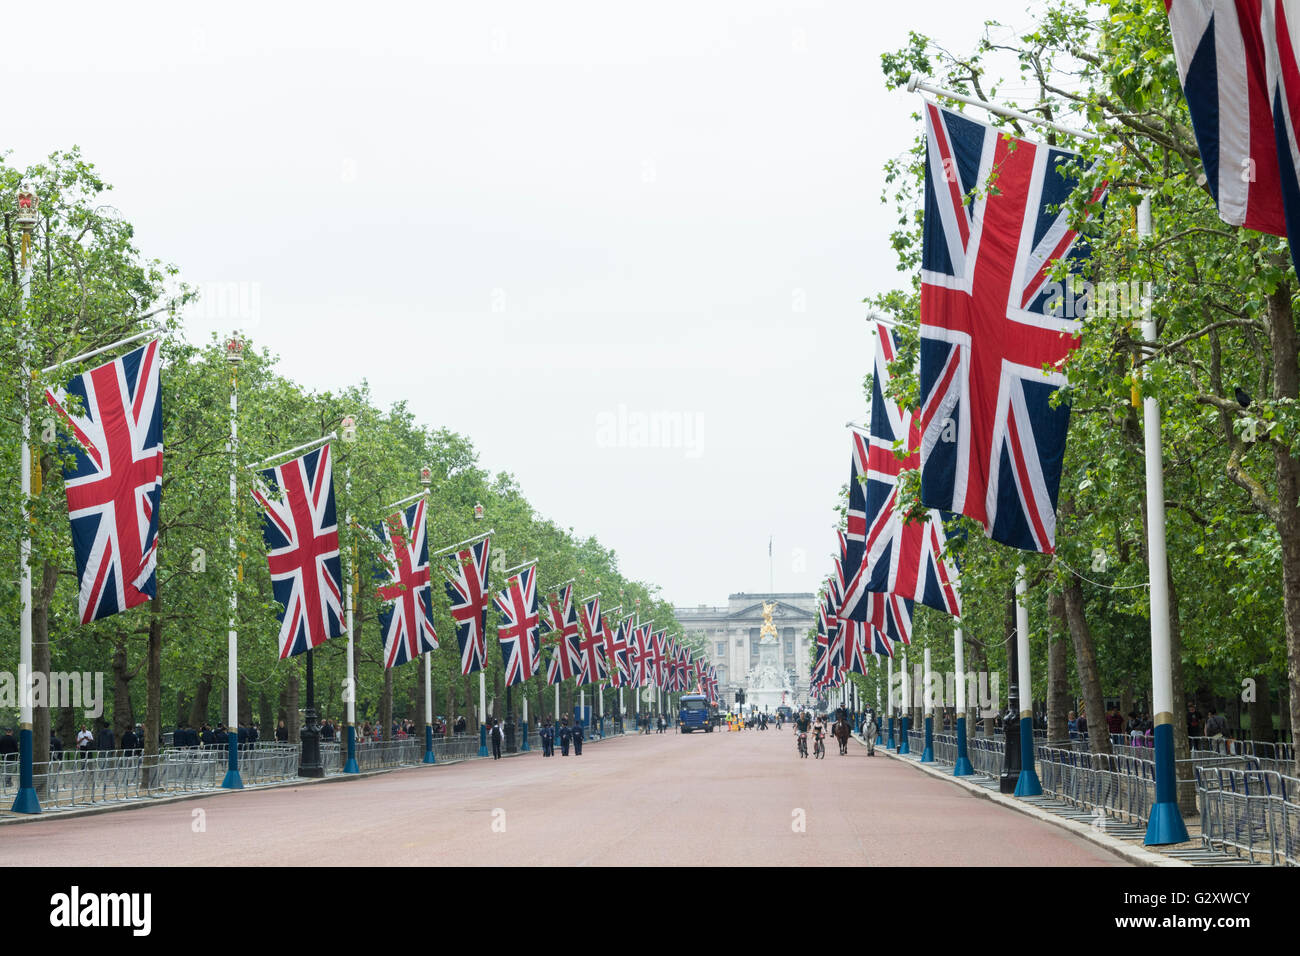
(1256, 812)
(1118, 785)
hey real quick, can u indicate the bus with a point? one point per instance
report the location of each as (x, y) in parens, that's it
(694, 714)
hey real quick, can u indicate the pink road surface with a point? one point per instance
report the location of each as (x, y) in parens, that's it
(723, 798)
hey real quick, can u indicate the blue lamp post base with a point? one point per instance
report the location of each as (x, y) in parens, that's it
(351, 765)
(1165, 825)
(1027, 784)
(903, 747)
(482, 740)
(233, 780)
(962, 768)
(428, 744)
(891, 745)
(927, 755)
(25, 800)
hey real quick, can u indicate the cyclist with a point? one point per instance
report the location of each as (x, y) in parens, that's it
(819, 732)
(801, 725)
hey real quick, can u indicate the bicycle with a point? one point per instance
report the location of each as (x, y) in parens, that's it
(803, 744)
(819, 748)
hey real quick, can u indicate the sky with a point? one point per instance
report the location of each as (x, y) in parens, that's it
(623, 247)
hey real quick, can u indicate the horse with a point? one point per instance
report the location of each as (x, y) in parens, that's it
(840, 731)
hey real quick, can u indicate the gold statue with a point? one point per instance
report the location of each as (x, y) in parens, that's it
(768, 629)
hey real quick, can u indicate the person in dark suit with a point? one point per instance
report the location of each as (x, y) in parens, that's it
(547, 734)
(253, 735)
(577, 738)
(105, 741)
(56, 744)
(566, 735)
(495, 734)
(131, 742)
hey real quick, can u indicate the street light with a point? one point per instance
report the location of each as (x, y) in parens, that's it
(233, 781)
(478, 511)
(25, 801)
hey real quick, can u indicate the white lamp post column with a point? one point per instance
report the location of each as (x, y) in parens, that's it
(233, 781)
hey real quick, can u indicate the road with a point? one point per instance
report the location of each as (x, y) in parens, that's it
(732, 799)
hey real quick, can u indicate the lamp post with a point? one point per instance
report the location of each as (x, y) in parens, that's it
(233, 781)
(426, 479)
(1027, 785)
(962, 767)
(927, 706)
(889, 701)
(904, 746)
(482, 678)
(349, 427)
(25, 800)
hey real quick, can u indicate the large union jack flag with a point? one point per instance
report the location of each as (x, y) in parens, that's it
(114, 480)
(562, 621)
(404, 591)
(591, 646)
(302, 549)
(467, 587)
(991, 442)
(904, 558)
(518, 628)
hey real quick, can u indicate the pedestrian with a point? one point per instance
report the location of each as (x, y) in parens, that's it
(577, 738)
(85, 741)
(56, 745)
(130, 742)
(105, 739)
(1216, 728)
(547, 735)
(281, 733)
(565, 736)
(496, 739)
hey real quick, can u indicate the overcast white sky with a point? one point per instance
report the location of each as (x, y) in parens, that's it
(534, 221)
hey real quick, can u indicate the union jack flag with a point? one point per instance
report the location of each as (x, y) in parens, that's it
(406, 611)
(991, 442)
(114, 480)
(903, 558)
(616, 641)
(517, 629)
(592, 645)
(301, 533)
(659, 648)
(855, 537)
(467, 587)
(566, 660)
(641, 656)
(1237, 63)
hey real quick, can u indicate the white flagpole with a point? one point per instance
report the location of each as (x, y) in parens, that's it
(962, 768)
(927, 710)
(428, 703)
(482, 714)
(232, 780)
(1165, 824)
(350, 731)
(904, 693)
(1027, 784)
(889, 700)
(26, 800)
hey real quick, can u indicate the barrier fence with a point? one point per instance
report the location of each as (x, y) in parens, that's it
(1248, 801)
(74, 779)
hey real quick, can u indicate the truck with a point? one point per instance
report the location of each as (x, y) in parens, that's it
(693, 714)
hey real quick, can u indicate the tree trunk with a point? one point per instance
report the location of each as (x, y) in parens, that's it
(419, 703)
(182, 707)
(1260, 709)
(245, 712)
(123, 716)
(199, 709)
(1058, 686)
(153, 682)
(1085, 658)
(386, 706)
(293, 720)
(266, 716)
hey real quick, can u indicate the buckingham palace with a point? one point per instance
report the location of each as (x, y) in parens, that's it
(732, 635)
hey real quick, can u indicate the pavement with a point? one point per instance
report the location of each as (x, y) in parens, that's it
(727, 799)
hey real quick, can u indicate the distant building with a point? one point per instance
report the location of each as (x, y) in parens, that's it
(732, 634)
